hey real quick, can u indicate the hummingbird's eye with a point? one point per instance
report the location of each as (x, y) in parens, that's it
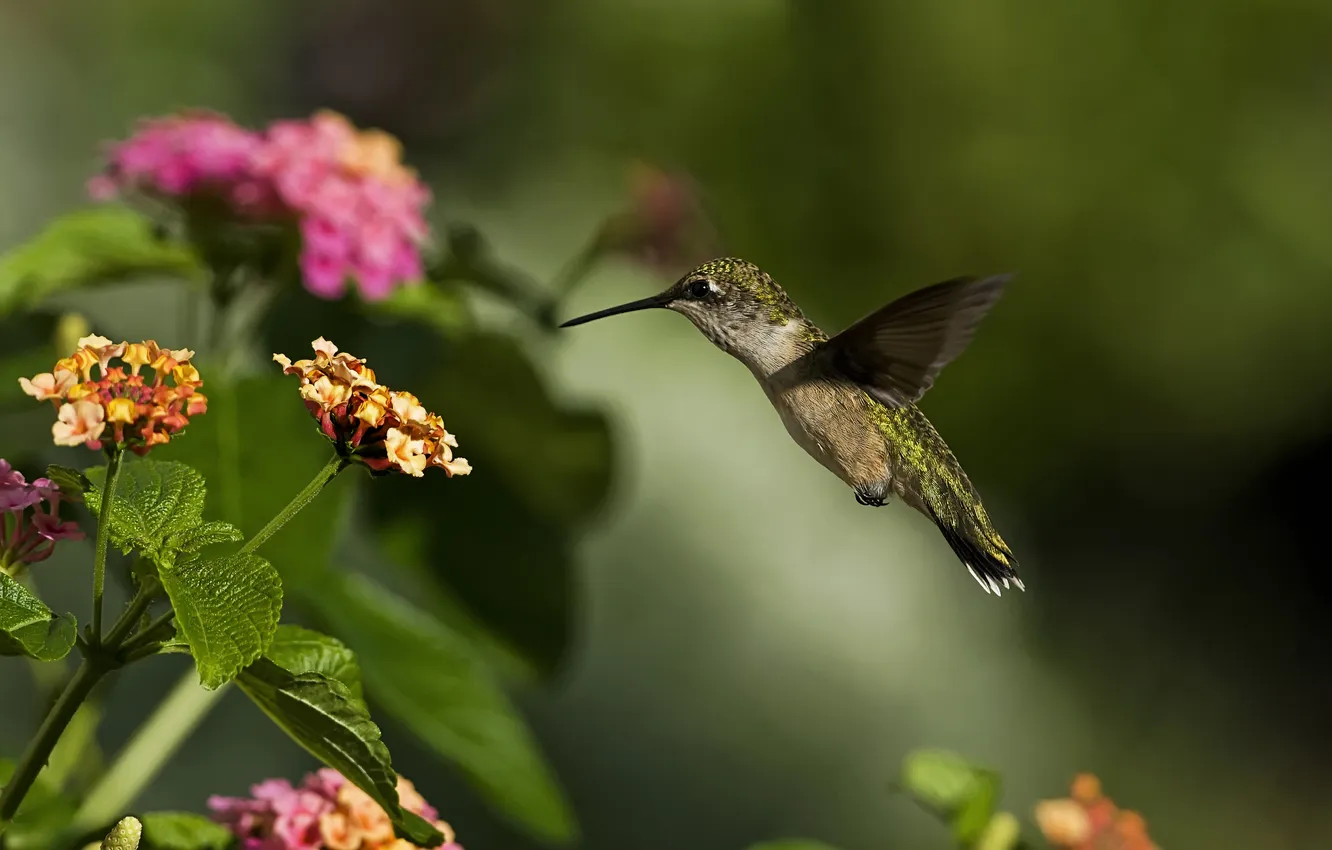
(699, 289)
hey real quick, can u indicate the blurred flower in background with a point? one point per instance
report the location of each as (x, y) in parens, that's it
(384, 429)
(1088, 820)
(326, 812)
(138, 413)
(359, 211)
(663, 225)
(30, 523)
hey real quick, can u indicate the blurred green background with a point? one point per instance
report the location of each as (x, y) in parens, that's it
(1148, 412)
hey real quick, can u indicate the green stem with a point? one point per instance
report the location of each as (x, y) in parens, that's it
(142, 758)
(138, 605)
(145, 635)
(332, 468)
(576, 269)
(103, 541)
(34, 758)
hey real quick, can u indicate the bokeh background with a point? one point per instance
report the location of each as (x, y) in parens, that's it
(1148, 412)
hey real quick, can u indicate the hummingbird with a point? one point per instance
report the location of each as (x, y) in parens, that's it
(850, 401)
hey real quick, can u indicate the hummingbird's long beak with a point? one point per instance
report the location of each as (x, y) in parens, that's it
(642, 304)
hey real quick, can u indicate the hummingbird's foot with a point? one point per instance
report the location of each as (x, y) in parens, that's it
(872, 501)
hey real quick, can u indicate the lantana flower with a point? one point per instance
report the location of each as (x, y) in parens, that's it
(386, 430)
(30, 523)
(1088, 820)
(359, 211)
(663, 224)
(326, 812)
(97, 403)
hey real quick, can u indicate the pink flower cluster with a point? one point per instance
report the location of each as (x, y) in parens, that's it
(325, 813)
(359, 210)
(30, 522)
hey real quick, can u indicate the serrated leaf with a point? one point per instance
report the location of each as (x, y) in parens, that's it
(432, 680)
(72, 483)
(299, 650)
(85, 248)
(153, 500)
(28, 627)
(282, 452)
(327, 720)
(227, 610)
(183, 831)
(792, 844)
(205, 534)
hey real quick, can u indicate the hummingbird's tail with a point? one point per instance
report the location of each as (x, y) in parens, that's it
(969, 532)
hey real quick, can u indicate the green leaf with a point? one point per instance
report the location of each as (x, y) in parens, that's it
(300, 650)
(961, 793)
(204, 534)
(183, 831)
(792, 844)
(227, 609)
(258, 447)
(970, 821)
(155, 500)
(1003, 832)
(431, 680)
(326, 719)
(28, 627)
(72, 483)
(86, 248)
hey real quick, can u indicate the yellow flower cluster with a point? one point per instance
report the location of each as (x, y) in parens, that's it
(141, 411)
(384, 429)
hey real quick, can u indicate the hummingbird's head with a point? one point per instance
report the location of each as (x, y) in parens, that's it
(735, 304)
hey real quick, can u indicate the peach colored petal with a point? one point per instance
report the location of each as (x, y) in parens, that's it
(49, 384)
(325, 393)
(338, 832)
(1064, 823)
(408, 408)
(407, 453)
(324, 347)
(78, 423)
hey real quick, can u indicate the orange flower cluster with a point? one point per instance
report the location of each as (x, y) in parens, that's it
(384, 429)
(1088, 820)
(141, 411)
(357, 822)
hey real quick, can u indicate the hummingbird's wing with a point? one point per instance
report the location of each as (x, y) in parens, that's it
(896, 352)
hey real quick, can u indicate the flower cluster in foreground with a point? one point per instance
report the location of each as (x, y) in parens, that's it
(369, 423)
(359, 210)
(1088, 820)
(30, 521)
(326, 812)
(137, 410)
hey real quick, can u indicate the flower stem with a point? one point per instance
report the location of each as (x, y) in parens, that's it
(335, 465)
(142, 758)
(103, 540)
(34, 758)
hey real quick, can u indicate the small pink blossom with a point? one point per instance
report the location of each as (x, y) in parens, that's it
(30, 523)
